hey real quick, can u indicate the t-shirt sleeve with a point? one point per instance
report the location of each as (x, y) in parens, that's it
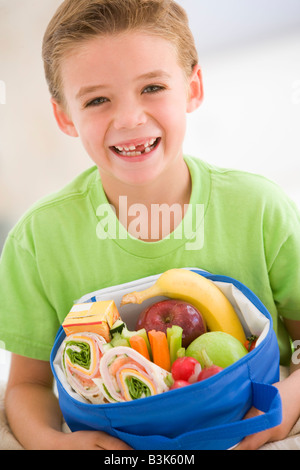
(28, 322)
(283, 255)
(285, 279)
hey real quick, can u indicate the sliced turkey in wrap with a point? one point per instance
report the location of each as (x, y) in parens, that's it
(81, 354)
(127, 375)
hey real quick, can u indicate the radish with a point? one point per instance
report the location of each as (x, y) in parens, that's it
(179, 384)
(186, 368)
(209, 368)
(209, 372)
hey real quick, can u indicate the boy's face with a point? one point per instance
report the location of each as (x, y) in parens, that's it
(127, 99)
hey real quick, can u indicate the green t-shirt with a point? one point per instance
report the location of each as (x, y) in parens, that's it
(71, 243)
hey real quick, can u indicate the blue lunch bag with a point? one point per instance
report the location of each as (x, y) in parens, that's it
(207, 415)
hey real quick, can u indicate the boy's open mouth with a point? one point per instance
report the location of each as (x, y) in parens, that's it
(135, 150)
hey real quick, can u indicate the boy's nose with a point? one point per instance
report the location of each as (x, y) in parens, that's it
(129, 115)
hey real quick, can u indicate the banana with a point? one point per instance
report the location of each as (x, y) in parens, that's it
(199, 291)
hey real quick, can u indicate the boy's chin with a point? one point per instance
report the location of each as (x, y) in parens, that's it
(139, 178)
(138, 173)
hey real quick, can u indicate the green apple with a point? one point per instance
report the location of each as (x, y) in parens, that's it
(221, 348)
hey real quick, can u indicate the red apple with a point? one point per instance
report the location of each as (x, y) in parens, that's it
(162, 315)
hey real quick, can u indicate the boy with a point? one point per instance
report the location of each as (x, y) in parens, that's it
(122, 75)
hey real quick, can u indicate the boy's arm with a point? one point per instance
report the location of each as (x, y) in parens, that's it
(293, 328)
(290, 397)
(34, 415)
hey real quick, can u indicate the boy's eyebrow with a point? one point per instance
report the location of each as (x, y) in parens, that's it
(155, 74)
(146, 76)
(88, 89)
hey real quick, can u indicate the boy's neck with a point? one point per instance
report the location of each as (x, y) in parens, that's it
(172, 188)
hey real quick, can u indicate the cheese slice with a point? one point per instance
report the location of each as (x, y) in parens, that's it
(94, 317)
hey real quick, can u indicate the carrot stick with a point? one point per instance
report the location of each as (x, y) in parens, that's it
(160, 349)
(139, 344)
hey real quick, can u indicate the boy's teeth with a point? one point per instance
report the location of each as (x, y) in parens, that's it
(132, 149)
(131, 154)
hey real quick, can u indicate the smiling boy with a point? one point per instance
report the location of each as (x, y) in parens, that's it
(122, 75)
(131, 115)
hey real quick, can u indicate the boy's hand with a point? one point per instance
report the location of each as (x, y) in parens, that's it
(290, 397)
(34, 415)
(90, 440)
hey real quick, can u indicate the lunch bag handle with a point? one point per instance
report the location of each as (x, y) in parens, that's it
(266, 398)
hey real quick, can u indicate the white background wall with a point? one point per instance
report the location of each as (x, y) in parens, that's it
(250, 119)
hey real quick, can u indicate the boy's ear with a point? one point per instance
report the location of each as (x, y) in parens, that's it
(196, 93)
(63, 119)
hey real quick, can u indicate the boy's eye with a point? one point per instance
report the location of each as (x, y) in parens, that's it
(96, 101)
(153, 89)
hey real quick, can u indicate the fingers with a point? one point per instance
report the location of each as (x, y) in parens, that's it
(90, 440)
(107, 442)
(253, 441)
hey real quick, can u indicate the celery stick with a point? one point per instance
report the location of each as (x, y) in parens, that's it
(174, 337)
(181, 352)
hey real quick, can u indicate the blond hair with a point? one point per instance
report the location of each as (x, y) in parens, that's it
(76, 21)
